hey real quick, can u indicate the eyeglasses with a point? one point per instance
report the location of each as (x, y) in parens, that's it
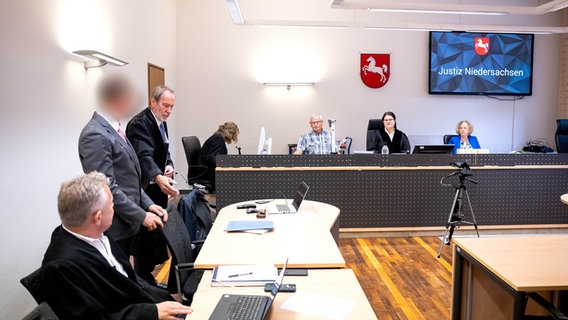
(315, 122)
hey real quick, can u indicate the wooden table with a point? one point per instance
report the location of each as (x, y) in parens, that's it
(336, 283)
(304, 238)
(564, 198)
(491, 275)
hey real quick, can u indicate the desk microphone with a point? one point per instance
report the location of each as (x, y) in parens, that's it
(239, 149)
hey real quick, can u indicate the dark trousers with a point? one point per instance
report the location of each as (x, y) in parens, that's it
(149, 249)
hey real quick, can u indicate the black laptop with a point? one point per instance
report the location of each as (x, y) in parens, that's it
(247, 307)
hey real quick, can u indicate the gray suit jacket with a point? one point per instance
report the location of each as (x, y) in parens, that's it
(102, 149)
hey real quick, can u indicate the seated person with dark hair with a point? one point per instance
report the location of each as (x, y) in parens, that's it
(395, 140)
(227, 132)
(85, 274)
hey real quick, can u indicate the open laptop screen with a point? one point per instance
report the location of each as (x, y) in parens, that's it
(275, 288)
(299, 195)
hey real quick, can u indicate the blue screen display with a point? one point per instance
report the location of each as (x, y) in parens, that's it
(480, 63)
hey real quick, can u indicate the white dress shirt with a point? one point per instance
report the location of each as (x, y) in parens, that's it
(103, 246)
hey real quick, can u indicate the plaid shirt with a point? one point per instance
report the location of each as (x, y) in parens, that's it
(313, 143)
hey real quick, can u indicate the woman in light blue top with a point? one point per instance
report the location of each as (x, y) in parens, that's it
(465, 140)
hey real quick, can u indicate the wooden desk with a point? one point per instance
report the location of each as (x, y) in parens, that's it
(492, 274)
(564, 198)
(303, 237)
(337, 283)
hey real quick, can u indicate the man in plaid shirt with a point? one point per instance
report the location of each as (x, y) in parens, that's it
(317, 141)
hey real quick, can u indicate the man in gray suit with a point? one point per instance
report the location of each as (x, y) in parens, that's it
(103, 147)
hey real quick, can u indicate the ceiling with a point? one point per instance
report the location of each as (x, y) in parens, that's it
(533, 16)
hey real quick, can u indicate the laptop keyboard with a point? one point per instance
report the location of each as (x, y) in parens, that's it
(248, 308)
(283, 207)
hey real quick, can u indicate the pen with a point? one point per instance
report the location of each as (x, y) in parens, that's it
(239, 275)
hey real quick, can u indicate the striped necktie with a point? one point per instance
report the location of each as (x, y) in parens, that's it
(163, 132)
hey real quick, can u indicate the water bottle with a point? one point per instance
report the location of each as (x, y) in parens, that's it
(385, 149)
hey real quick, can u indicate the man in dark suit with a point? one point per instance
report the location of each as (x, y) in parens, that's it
(103, 147)
(148, 133)
(84, 274)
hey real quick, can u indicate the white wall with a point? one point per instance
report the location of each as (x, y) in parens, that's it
(216, 69)
(221, 68)
(47, 99)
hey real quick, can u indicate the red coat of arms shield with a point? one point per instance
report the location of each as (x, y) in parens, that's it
(481, 45)
(375, 69)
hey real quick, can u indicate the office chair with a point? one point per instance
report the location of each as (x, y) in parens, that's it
(32, 283)
(183, 278)
(549, 307)
(42, 312)
(196, 171)
(372, 130)
(447, 138)
(562, 135)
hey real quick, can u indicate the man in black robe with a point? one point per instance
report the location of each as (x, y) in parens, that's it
(84, 274)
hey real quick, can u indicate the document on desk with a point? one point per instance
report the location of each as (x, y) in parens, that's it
(244, 275)
(319, 305)
(249, 225)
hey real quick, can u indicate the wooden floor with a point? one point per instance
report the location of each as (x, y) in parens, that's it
(402, 277)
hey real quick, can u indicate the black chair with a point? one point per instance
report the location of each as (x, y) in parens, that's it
(447, 138)
(196, 171)
(562, 135)
(42, 312)
(372, 129)
(183, 278)
(549, 307)
(32, 283)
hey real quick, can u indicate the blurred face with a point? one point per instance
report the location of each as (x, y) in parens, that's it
(316, 124)
(107, 211)
(464, 129)
(389, 122)
(123, 106)
(163, 108)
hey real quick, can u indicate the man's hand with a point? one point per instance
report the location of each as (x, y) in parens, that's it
(169, 309)
(169, 172)
(152, 221)
(165, 183)
(159, 211)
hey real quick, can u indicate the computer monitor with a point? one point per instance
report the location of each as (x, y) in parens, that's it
(434, 149)
(264, 145)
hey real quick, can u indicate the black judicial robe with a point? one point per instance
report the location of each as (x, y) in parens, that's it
(212, 147)
(79, 283)
(399, 143)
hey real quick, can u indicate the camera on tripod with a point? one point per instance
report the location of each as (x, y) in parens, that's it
(456, 216)
(463, 167)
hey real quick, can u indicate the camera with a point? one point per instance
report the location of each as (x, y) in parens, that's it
(464, 169)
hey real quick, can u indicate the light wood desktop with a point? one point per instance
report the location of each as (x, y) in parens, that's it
(303, 237)
(336, 283)
(492, 274)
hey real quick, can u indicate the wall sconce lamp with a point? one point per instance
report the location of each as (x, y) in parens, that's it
(99, 59)
(288, 85)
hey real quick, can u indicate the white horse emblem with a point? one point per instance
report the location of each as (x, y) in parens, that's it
(481, 45)
(372, 67)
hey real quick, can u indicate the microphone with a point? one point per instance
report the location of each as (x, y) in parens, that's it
(239, 149)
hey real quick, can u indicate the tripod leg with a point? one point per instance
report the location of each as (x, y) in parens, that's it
(472, 214)
(450, 225)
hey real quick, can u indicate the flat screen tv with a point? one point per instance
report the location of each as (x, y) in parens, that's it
(480, 63)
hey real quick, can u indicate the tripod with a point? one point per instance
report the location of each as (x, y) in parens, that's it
(456, 214)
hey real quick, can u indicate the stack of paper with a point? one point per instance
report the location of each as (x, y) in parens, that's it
(249, 225)
(244, 275)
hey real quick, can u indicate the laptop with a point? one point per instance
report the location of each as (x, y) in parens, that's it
(299, 196)
(247, 307)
